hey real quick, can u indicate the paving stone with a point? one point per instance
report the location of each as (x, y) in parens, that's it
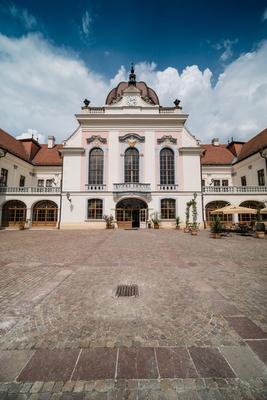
(224, 308)
(175, 363)
(14, 387)
(79, 386)
(210, 363)
(97, 363)
(137, 363)
(58, 387)
(68, 387)
(3, 395)
(50, 365)
(26, 387)
(44, 396)
(243, 361)
(36, 387)
(260, 348)
(12, 362)
(48, 386)
(246, 328)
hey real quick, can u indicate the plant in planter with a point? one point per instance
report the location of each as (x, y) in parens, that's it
(155, 219)
(109, 221)
(216, 228)
(177, 222)
(260, 230)
(21, 225)
(194, 229)
(187, 214)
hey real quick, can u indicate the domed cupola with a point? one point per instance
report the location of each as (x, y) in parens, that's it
(147, 94)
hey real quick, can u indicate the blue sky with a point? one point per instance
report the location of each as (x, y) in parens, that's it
(199, 43)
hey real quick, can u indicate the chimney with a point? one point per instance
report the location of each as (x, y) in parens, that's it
(51, 142)
(215, 142)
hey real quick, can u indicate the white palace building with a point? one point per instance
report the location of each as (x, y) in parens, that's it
(131, 158)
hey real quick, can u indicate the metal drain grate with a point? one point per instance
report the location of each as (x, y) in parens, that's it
(127, 291)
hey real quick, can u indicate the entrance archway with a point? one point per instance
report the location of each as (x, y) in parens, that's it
(214, 205)
(131, 213)
(13, 212)
(250, 218)
(44, 213)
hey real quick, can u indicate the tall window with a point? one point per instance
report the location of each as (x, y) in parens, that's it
(40, 183)
(166, 167)
(131, 165)
(96, 164)
(243, 181)
(95, 209)
(3, 177)
(168, 209)
(261, 180)
(22, 181)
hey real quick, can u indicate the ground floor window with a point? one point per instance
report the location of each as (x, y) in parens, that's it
(251, 218)
(13, 212)
(168, 209)
(45, 213)
(214, 205)
(95, 209)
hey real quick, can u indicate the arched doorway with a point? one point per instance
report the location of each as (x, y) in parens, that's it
(250, 218)
(131, 213)
(13, 212)
(214, 205)
(44, 213)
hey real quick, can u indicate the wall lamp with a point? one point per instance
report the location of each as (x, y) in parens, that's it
(68, 197)
(2, 152)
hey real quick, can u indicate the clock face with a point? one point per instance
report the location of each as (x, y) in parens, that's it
(131, 100)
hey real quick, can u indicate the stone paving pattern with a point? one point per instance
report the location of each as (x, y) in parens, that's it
(197, 331)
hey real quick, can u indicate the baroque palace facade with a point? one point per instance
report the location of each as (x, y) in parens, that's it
(131, 158)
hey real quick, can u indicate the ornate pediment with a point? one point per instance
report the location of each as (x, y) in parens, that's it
(131, 139)
(97, 140)
(167, 139)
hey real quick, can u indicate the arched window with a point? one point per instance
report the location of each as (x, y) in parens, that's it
(131, 165)
(13, 212)
(167, 167)
(168, 209)
(95, 209)
(212, 206)
(45, 213)
(96, 164)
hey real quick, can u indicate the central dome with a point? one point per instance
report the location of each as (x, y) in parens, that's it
(147, 94)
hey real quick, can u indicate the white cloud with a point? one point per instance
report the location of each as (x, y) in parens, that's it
(22, 14)
(227, 47)
(42, 87)
(86, 24)
(32, 133)
(264, 15)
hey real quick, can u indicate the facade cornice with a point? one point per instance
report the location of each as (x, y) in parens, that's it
(72, 150)
(191, 150)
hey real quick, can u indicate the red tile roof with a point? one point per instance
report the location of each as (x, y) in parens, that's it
(47, 156)
(12, 145)
(30, 150)
(254, 145)
(216, 155)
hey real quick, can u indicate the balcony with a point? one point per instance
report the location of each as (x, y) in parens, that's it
(95, 188)
(167, 188)
(132, 187)
(29, 190)
(234, 189)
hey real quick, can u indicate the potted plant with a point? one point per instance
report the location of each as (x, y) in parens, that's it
(177, 222)
(216, 228)
(156, 221)
(260, 230)
(187, 211)
(109, 221)
(21, 225)
(194, 229)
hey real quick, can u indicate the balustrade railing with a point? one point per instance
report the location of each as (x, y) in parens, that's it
(29, 189)
(234, 189)
(167, 188)
(132, 187)
(95, 188)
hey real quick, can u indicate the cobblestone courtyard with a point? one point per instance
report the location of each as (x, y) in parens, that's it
(198, 330)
